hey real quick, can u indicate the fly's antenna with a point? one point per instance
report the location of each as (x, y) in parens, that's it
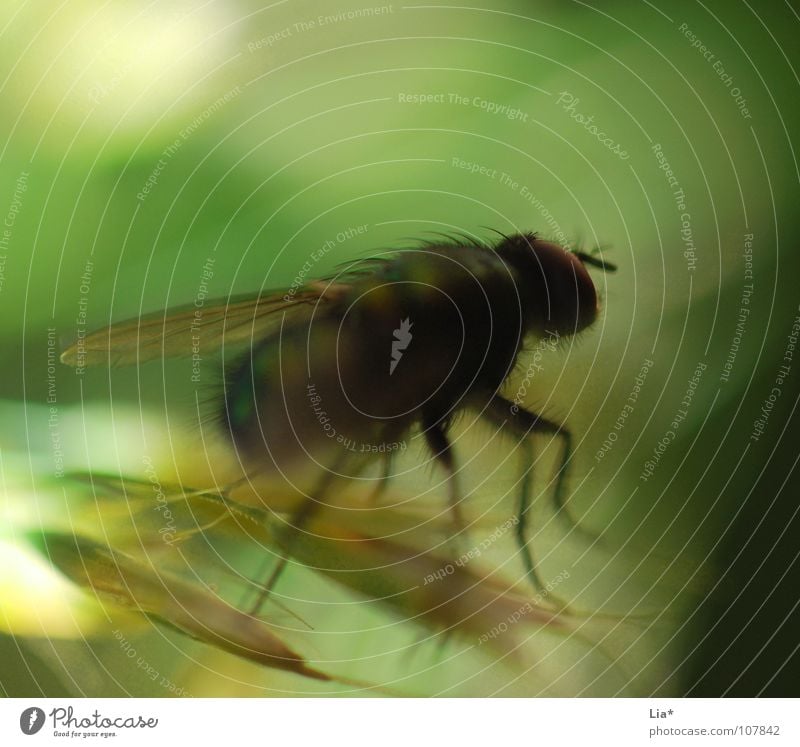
(595, 261)
(590, 258)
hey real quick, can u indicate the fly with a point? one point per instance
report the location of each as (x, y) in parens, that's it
(392, 345)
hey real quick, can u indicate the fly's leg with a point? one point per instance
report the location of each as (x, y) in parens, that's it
(439, 444)
(525, 425)
(298, 521)
(522, 516)
(224, 492)
(383, 481)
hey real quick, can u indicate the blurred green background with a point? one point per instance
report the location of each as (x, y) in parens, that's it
(144, 143)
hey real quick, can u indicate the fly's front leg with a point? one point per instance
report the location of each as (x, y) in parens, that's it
(439, 444)
(525, 425)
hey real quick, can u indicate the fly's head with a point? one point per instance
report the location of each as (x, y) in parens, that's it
(555, 289)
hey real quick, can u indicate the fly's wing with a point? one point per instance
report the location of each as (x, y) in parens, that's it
(174, 332)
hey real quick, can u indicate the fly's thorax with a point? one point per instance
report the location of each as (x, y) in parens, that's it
(557, 291)
(436, 325)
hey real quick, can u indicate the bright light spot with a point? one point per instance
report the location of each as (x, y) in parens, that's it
(36, 600)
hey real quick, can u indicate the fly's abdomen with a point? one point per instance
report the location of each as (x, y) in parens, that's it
(307, 400)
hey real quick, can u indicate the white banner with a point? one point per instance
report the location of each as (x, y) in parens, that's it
(400, 722)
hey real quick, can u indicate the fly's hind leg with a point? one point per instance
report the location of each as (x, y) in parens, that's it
(522, 515)
(439, 444)
(298, 521)
(526, 424)
(383, 480)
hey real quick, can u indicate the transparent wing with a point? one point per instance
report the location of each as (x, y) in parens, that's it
(175, 332)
